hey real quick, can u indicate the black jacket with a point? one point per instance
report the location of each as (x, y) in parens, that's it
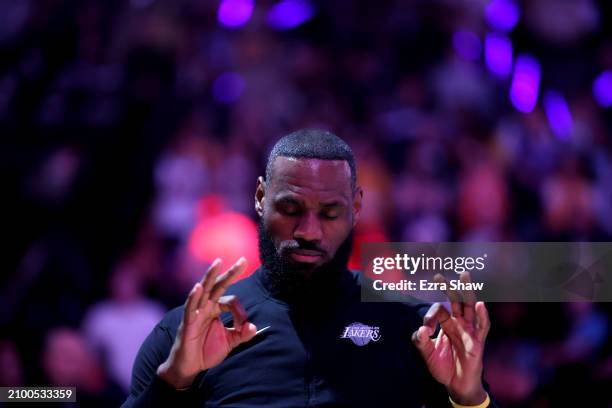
(338, 352)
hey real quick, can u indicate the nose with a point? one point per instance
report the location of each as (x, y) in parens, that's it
(309, 228)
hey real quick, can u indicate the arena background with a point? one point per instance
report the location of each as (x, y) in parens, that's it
(133, 131)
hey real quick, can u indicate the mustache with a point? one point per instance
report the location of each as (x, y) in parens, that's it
(291, 245)
(287, 280)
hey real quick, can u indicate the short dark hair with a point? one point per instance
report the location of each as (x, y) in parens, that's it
(313, 144)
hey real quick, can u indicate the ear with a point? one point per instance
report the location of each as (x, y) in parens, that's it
(357, 199)
(260, 192)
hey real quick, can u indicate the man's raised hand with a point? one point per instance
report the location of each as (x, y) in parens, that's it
(202, 341)
(454, 357)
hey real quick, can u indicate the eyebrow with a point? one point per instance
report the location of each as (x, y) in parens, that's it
(287, 199)
(334, 204)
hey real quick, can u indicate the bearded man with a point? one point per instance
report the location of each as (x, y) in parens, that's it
(295, 333)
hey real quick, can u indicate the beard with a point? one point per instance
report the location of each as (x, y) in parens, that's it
(294, 282)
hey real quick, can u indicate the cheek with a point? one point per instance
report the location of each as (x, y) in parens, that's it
(337, 232)
(281, 228)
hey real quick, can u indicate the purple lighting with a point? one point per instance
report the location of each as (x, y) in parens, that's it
(235, 13)
(228, 87)
(467, 45)
(525, 84)
(602, 89)
(502, 14)
(558, 114)
(498, 54)
(288, 14)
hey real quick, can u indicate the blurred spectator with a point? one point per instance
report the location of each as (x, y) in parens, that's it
(117, 327)
(68, 361)
(512, 360)
(585, 337)
(482, 203)
(568, 202)
(182, 175)
(11, 371)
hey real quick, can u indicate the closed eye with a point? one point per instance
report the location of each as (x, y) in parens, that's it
(332, 212)
(290, 211)
(288, 207)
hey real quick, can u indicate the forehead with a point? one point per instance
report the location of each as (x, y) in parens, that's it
(311, 176)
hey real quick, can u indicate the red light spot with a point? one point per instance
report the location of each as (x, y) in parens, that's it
(228, 235)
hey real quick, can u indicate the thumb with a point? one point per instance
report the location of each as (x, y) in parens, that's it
(421, 340)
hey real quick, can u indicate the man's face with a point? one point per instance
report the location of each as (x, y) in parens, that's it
(308, 208)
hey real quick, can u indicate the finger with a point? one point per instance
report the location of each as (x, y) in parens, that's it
(439, 338)
(208, 281)
(226, 279)
(422, 341)
(437, 313)
(444, 346)
(469, 298)
(232, 304)
(236, 337)
(484, 323)
(191, 304)
(453, 296)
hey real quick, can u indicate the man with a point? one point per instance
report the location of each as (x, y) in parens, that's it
(292, 334)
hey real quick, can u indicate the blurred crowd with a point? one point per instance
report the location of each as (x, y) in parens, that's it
(133, 133)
